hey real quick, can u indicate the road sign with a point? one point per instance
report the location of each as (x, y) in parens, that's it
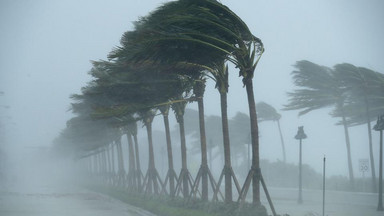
(364, 165)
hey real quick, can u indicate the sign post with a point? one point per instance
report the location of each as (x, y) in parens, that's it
(363, 168)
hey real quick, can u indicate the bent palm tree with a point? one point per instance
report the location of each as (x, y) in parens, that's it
(220, 75)
(266, 112)
(171, 174)
(180, 31)
(319, 89)
(362, 84)
(185, 178)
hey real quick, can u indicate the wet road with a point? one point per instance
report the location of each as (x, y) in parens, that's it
(48, 201)
(337, 203)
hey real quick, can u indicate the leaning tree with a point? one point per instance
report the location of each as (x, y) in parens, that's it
(180, 31)
(266, 112)
(318, 88)
(363, 86)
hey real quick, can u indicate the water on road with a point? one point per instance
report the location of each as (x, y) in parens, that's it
(50, 201)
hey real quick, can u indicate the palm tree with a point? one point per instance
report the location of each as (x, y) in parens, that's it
(363, 85)
(267, 112)
(131, 165)
(185, 178)
(198, 90)
(152, 178)
(220, 75)
(139, 89)
(240, 134)
(183, 31)
(171, 174)
(214, 136)
(319, 88)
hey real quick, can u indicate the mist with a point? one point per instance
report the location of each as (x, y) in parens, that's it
(47, 49)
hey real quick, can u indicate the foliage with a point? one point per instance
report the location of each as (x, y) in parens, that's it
(318, 88)
(266, 112)
(158, 63)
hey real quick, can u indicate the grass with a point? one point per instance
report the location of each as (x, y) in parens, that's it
(166, 206)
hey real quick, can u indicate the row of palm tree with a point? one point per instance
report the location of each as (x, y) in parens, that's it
(163, 63)
(354, 93)
(239, 131)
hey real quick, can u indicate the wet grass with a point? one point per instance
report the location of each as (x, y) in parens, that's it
(166, 206)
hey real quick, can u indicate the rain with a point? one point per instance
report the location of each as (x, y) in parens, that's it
(56, 55)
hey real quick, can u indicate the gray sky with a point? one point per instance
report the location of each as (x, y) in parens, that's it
(47, 45)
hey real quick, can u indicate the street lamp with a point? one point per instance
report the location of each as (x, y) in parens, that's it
(300, 136)
(380, 127)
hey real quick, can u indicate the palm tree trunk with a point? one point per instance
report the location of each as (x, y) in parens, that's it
(120, 160)
(131, 170)
(227, 150)
(94, 161)
(170, 156)
(370, 144)
(347, 142)
(183, 157)
(210, 153)
(109, 168)
(199, 91)
(255, 143)
(138, 168)
(104, 165)
(282, 141)
(151, 163)
(380, 204)
(113, 163)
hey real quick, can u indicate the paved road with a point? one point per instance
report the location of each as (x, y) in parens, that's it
(336, 203)
(48, 201)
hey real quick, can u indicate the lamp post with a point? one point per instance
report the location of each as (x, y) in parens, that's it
(380, 127)
(300, 136)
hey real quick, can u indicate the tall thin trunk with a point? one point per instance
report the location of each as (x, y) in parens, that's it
(367, 109)
(131, 169)
(113, 158)
(96, 161)
(151, 163)
(137, 157)
(109, 170)
(347, 142)
(97, 164)
(104, 164)
(100, 163)
(113, 163)
(90, 165)
(183, 156)
(255, 143)
(199, 89)
(380, 204)
(227, 150)
(170, 155)
(210, 153)
(131, 153)
(282, 142)
(120, 160)
(109, 167)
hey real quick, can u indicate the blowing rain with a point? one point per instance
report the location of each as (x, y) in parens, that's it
(191, 107)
